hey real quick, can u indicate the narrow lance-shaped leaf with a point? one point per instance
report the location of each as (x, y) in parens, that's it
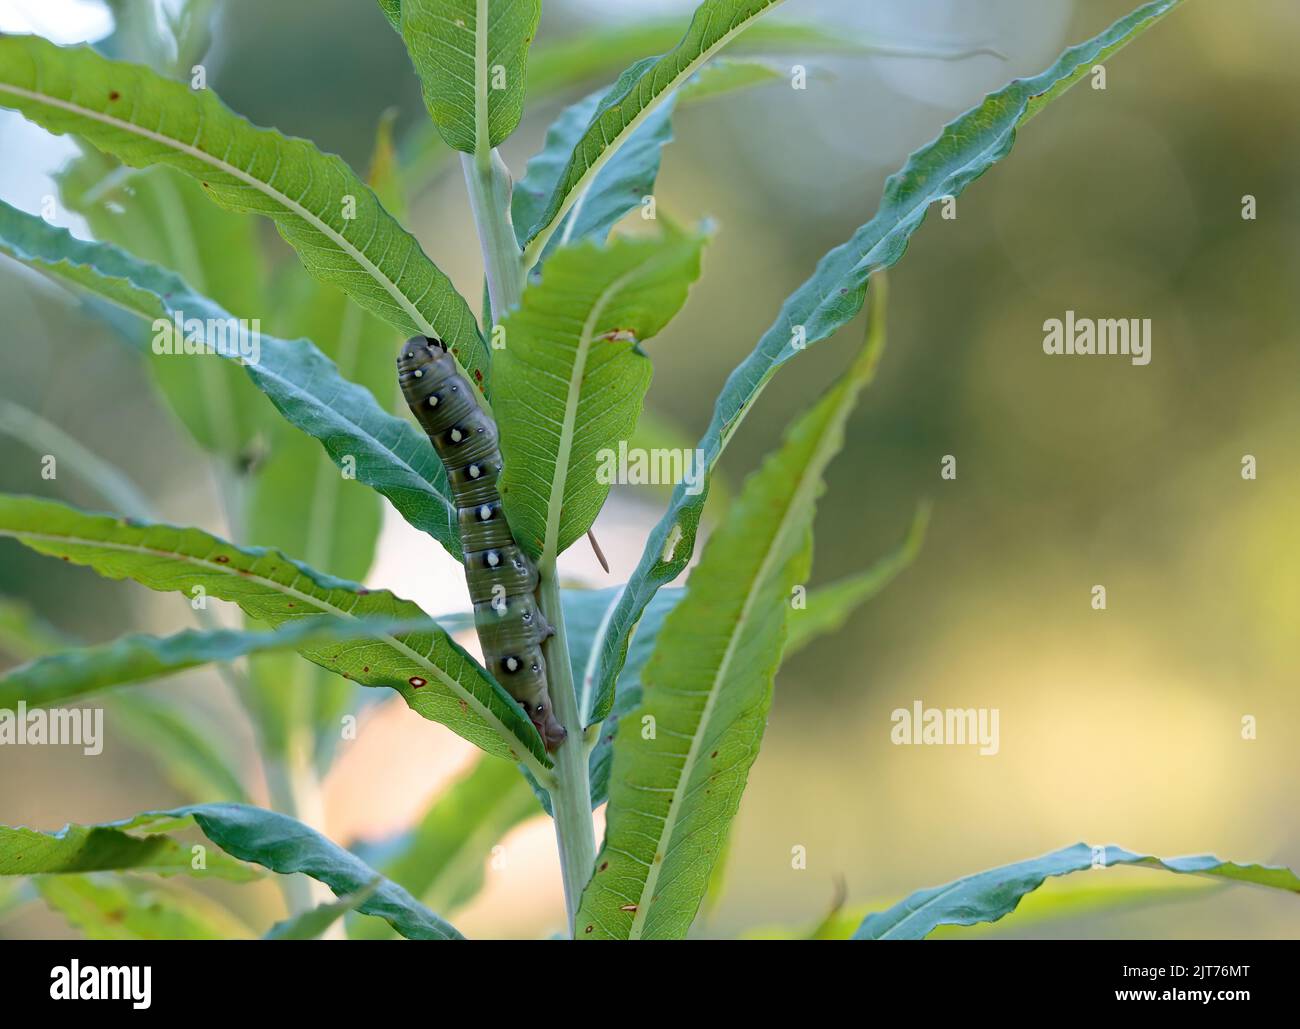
(471, 57)
(341, 232)
(633, 99)
(434, 675)
(137, 658)
(708, 687)
(243, 834)
(387, 453)
(988, 896)
(598, 53)
(966, 148)
(572, 377)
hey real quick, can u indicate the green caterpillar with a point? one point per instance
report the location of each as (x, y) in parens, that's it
(502, 578)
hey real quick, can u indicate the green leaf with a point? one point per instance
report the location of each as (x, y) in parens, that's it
(188, 753)
(615, 190)
(136, 844)
(118, 908)
(393, 12)
(390, 454)
(471, 56)
(441, 860)
(243, 833)
(708, 686)
(143, 119)
(310, 924)
(634, 98)
(988, 896)
(967, 147)
(572, 376)
(285, 845)
(137, 658)
(434, 675)
(828, 607)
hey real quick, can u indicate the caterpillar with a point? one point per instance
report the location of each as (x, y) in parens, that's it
(502, 578)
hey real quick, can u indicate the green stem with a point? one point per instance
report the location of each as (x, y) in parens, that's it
(571, 794)
(489, 184)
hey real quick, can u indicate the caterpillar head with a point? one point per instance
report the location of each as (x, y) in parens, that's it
(418, 352)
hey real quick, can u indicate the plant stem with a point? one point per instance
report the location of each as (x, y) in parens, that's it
(571, 795)
(489, 184)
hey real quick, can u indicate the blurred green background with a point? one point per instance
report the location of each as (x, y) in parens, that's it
(1120, 726)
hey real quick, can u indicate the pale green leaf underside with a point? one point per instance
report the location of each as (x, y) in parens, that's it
(471, 57)
(708, 686)
(967, 147)
(571, 379)
(387, 453)
(434, 675)
(988, 896)
(338, 227)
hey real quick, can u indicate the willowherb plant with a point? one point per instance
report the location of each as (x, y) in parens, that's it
(648, 696)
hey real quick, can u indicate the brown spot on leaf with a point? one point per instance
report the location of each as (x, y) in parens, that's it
(604, 865)
(365, 668)
(589, 928)
(627, 907)
(416, 682)
(115, 95)
(221, 559)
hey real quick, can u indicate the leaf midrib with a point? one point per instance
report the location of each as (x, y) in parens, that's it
(292, 205)
(422, 660)
(564, 451)
(808, 480)
(537, 245)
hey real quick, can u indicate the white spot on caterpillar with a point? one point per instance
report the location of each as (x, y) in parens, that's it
(499, 603)
(512, 664)
(456, 435)
(493, 558)
(474, 471)
(485, 513)
(418, 373)
(670, 544)
(433, 399)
